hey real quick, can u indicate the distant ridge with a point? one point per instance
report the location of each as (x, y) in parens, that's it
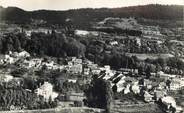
(87, 15)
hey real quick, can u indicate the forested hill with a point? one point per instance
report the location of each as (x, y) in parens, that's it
(82, 16)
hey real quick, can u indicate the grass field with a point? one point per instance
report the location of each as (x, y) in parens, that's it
(60, 110)
(150, 56)
(138, 108)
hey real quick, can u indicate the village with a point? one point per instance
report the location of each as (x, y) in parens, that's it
(125, 80)
(139, 67)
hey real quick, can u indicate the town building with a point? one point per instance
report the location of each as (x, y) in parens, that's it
(176, 84)
(147, 97)
(5, 77)
(46, 90)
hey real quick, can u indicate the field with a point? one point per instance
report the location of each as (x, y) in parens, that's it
(139, 108)
(60, 110)
(150, 56)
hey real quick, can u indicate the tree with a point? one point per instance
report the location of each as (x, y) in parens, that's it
(114, 88)
(75, 48)
(148, 72)
(99, 94)
(17, 44)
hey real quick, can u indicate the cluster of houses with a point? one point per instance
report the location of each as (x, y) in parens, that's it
(24, 60)
(39, 30)
(12, 57)
(150, 30)
(75, 65)
(155, 91)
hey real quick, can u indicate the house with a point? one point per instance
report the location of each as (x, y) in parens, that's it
(92, 66)
(170, 105)
(169, 102)
(5, 78)
(76, 68)
(96, 71)
(176, 84)
(17, 81)
(8, 59)
(56, 67)
(127, 89)
(72, 80)
(75, 65)
(49, 65)
(23, 54)
(28, 33)
(138, 41)
(179, 109)
(81, 32)
(86, 71)
(161, 86)
(120, 84)
(77, 61)
(113, 43)
(127, 71)
(147, 97)
(37, 60)
(116, 76)
(35, 63)
(2, 57)
(158, 94)
(39, 30)
(150, 30)
(147, 83)
(135, 88)
(46, 90)
(108, 72)
(164, 75)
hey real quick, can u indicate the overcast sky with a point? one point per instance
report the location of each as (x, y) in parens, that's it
(73, 4)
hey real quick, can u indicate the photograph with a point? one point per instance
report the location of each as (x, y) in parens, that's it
(91, 56)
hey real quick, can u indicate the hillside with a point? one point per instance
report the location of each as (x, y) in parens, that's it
(87, 16)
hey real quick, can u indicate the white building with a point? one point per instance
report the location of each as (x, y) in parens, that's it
(33, 63)
(23, 54)
(169, 101)
(75, 68)
(148, 97)
(135, 88)
(5, 78)
(150, 30)
(46, 90)
(120, 84)
(86, 71)
(20, 55)
(81, 32)
(176, 84)
(72, 80)
(127, 89)
(9, 60)
(75, 65)
(113, 43)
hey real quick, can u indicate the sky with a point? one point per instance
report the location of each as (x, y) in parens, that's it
(74, 4)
